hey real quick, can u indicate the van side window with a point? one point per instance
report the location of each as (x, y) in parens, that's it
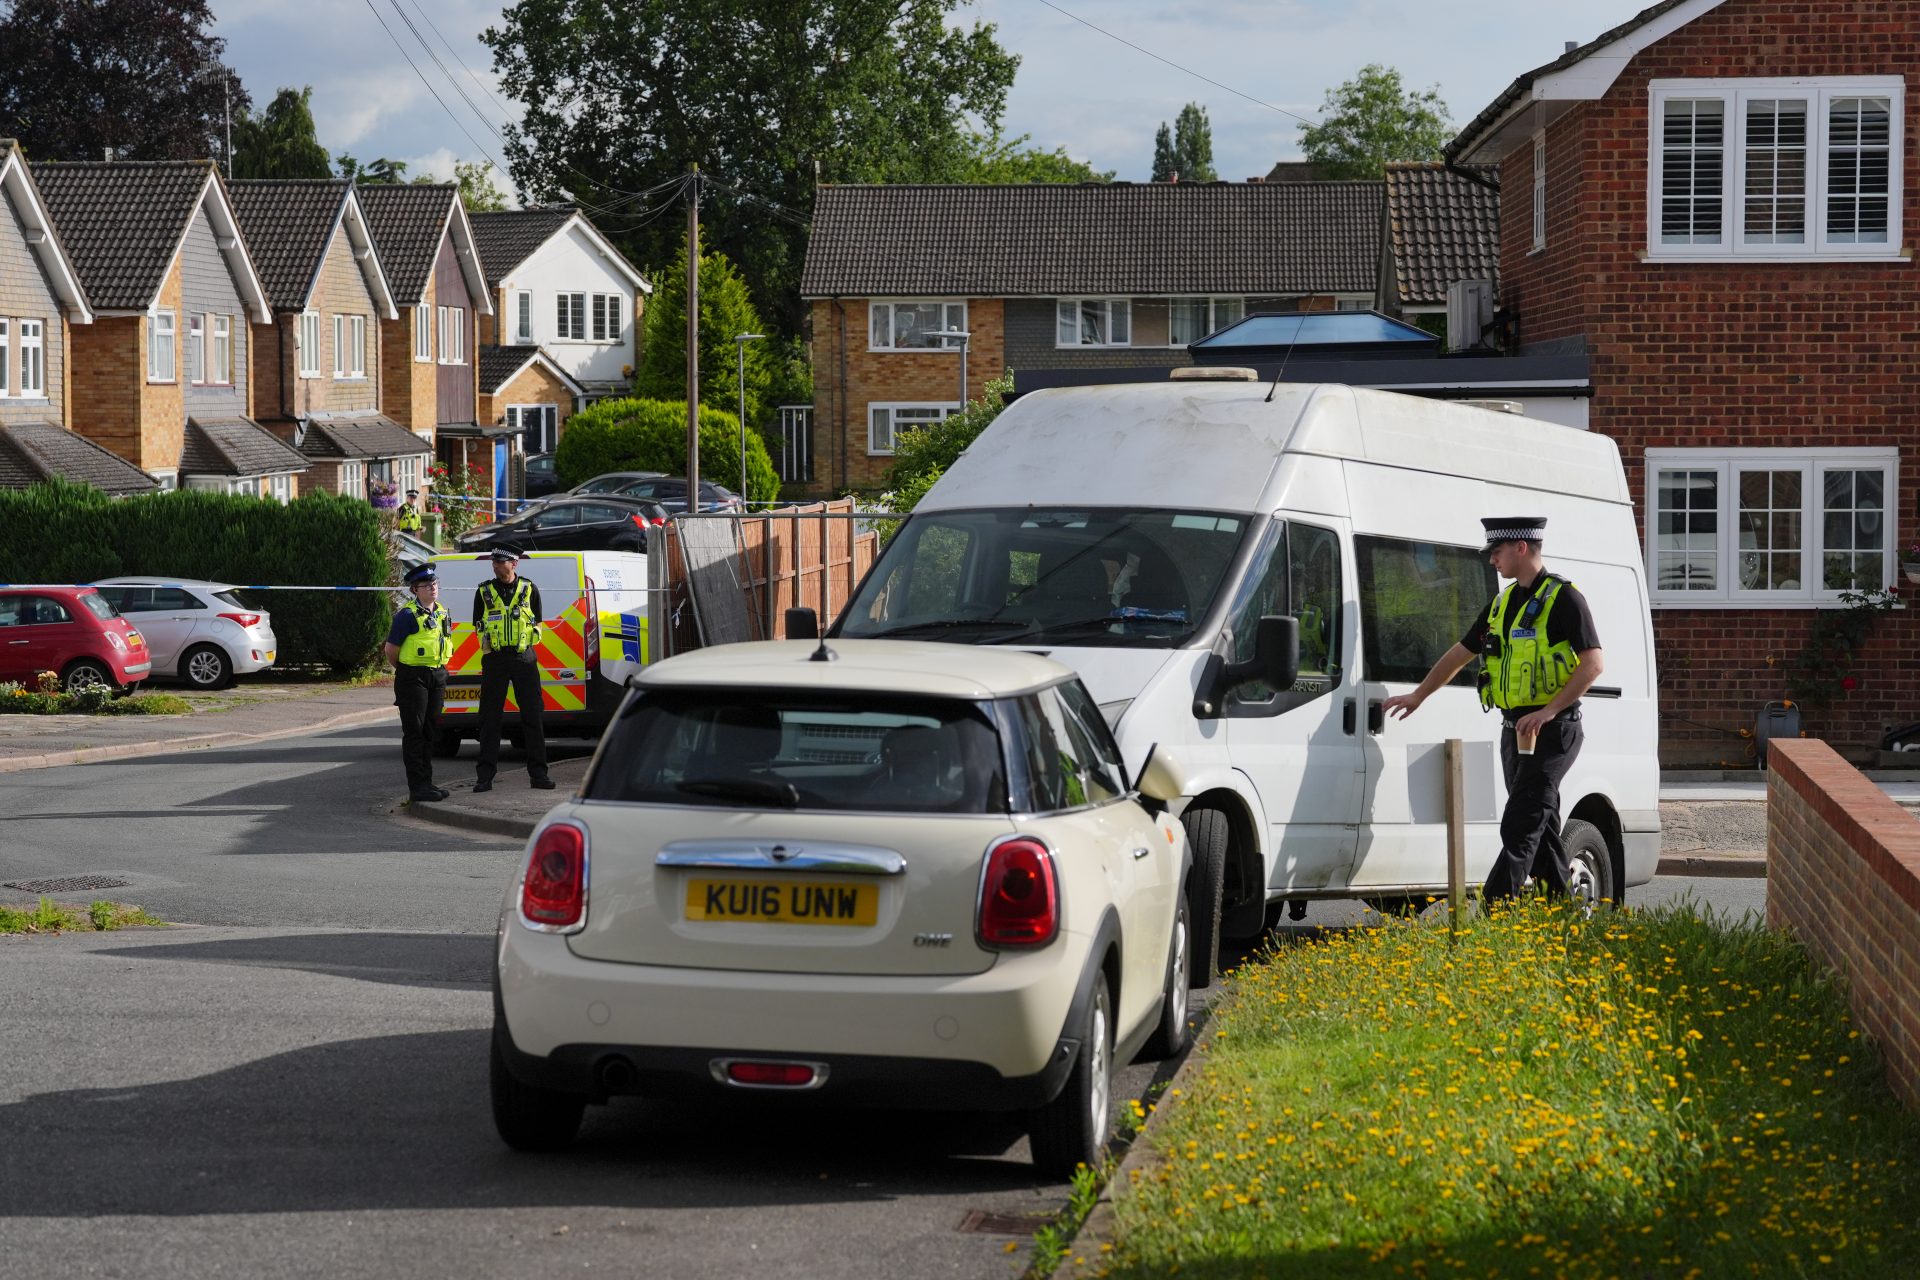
(1298, 574)
(1416, 600)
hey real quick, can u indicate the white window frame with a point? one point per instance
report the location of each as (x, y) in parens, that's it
(1078, 304)
(423, 334)
(196, 354)
(892, 407)
(167, 480)
(162, 338)
(353, 479)
(6, 358)
(570, 309)
(307, 343)
(522, 317)
(953, 315)
(221, 373)
(1539, 191)
(453, 335)
(1819, 93)
(355, 361)
(606, 318)
(543, 414)
(339, 346)
(1813, 464)
(280, 487)
(33, 359)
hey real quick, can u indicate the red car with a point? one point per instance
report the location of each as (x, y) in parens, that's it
(71, 631)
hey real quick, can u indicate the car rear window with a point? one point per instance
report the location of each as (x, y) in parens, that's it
(770, 749)
(229, 599)
(98, 605)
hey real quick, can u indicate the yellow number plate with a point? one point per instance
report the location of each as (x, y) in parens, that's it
(782, 902)
(462, 692)
(271, 655)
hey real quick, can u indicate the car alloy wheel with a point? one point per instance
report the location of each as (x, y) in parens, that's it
(206, 668)
(86, 674)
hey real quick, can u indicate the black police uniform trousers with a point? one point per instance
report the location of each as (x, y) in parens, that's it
(1530, 827)
(521, 671)
(419, 692)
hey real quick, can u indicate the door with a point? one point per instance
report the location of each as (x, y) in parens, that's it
(16, 638)
(553, 528)
(1417, 600)
(604, 527)
(167, 618)
(1301, 747)
(46, 635)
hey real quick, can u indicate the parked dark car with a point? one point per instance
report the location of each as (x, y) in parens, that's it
(669, 491)
(605, 522)
(72, 631)
(542, 479)
(613, 482)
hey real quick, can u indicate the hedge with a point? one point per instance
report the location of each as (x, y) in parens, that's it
(61, 532)
(651, 435)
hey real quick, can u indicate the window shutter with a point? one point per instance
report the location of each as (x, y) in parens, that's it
(1692, 171)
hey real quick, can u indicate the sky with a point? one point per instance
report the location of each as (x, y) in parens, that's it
(1076, 87)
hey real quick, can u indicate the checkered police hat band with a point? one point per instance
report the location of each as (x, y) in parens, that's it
(1517, 533)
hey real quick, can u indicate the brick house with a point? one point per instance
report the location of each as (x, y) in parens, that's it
(162, 375)
(429, 367)
(316, 368)
(562, 289)
(1710, 200)
(1098, 276)
(40, 298)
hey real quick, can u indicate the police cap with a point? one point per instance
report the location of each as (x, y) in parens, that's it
(507, 551)
(413, 493)
(421, 573)
(1501, 529)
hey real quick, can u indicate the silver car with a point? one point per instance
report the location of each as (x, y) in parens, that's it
(200, 633)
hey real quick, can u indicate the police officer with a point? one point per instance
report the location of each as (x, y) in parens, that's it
(408, 520)
(506, 617)
(1542, 652)
(419, 645)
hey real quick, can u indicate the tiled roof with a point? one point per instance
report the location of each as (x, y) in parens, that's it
(31, 452)
(235, 447)
(507, 239)
(498, 365)
(406, 222)
(121, 222)
(362, 436)
(287, 225)
(1443, 226)
(1055, 239)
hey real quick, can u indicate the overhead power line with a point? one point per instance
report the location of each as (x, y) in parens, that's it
(429, 86)
(452, 52)
(1176, 66)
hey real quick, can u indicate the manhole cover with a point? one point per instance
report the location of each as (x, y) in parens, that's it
(66, 884)
(1004, 1224)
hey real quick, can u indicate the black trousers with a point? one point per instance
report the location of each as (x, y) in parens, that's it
(419, 692)
(521, 672)
(1530, 827)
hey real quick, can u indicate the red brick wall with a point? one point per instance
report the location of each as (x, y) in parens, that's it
(108, 364)
(1843, 876)
(1724, 354)
(841, 460)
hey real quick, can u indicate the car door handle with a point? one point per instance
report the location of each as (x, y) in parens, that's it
(1350, 716)
(19, 642)
(1141, 852)
(1376, 715)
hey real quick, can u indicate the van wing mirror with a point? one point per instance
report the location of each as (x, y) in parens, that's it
(1162, 777)
(802, 623)
(1276, 651)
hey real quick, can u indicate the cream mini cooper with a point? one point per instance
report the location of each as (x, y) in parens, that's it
(876, 874)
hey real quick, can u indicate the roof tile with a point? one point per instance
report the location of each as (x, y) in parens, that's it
(120, 222)
(507, 239)
(406, 223)
(31, 452)
(1443, 226)
(235, 447)
(287, 223)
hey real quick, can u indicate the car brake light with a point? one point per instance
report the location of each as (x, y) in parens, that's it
(791, 1075)
(1019, 895)
(244, 619)
(553, 893)
(660, 520)
(119, 645)
(639, 519)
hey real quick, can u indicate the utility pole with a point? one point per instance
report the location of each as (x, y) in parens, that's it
(693, 340)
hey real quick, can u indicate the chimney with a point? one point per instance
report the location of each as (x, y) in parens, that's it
(1259, 179)
(107, 154)
(1174, 176)
(1571, 46)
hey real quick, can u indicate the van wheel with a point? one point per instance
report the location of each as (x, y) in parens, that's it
(1208, 833)
(447, 745)
(1589, 865)
(529, 1118)
(1072, 1129)
(1172, 1033)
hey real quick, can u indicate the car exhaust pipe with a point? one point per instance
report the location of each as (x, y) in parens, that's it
(616, 1074)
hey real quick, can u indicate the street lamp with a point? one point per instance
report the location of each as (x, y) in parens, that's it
(963, 335)
(740, 341)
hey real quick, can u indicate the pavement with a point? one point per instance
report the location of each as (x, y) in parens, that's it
(247, 712)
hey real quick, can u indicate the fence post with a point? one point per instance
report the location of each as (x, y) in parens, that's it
(1456, 832)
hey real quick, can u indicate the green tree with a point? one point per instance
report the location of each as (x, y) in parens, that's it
(1373, 119)
(1009, 161)
(651, 435)
(1186, 149)
(726, 309)
(280, 142)
(477, 191)
(375, 173)
(770, 98)
(922, 457)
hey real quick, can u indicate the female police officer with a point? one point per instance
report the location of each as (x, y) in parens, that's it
(419, 645)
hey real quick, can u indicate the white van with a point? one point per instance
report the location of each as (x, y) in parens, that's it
(1140, 533)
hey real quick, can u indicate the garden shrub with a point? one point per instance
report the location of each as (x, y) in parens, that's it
(651, 435)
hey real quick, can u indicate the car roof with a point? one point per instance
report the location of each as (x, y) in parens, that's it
(632, 500)
(876, 666)
(621, 475)
(159, 580)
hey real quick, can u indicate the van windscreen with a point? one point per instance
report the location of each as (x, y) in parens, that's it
(1080, 576)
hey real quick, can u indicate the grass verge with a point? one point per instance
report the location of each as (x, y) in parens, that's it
(1648, 1093)
(55, 917)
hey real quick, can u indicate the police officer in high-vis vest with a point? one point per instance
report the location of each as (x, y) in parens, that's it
(506, 617)
(1541, 652)
(408, 520)
(419, 645)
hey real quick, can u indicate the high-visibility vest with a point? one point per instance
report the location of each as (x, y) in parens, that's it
(1523, 669)
(431, 644)
(408, 520)
(508, 623)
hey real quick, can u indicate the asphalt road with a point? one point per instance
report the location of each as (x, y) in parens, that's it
(295, 1084)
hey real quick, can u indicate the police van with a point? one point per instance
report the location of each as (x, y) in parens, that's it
(1244, 577)
(594, 636)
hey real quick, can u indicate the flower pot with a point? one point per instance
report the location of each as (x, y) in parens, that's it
(1912, 569)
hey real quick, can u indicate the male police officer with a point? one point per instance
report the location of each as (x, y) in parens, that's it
(419, 644)
(506, 617)
(1542, 653)
(408, 520)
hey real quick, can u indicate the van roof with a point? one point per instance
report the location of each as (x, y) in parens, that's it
(1215, 446)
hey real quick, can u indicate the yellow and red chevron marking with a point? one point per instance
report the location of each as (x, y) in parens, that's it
(562, 645)
(466, 649)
